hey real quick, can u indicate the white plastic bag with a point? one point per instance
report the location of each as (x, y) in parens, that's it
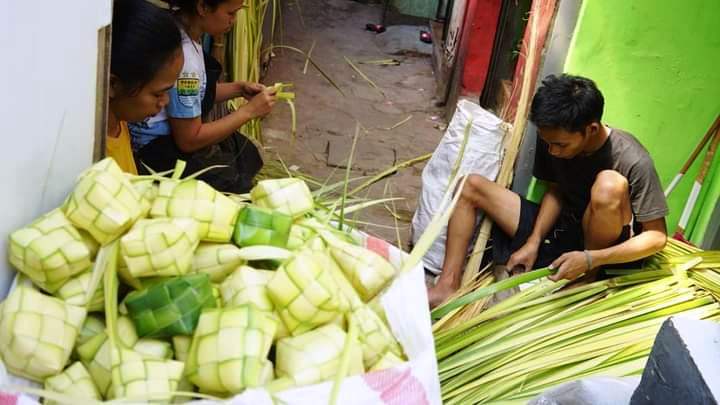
(413, 382)
(590, 391)
(483, 155)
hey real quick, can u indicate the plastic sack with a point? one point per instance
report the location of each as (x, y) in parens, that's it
(413, 382)
(483, 155)
(590, 391)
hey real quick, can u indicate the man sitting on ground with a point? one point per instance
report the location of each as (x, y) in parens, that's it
(604, 203)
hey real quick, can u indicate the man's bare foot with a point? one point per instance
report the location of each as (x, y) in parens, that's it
(439, 293)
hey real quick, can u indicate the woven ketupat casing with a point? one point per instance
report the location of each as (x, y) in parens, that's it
(374, 335)
(217, 260)
(247, 286)
(215, 212)
(229, 350)
(74, 381)
(315, 356)
(104, 202)
(304, 293)
(74, 292)
(37, 333)
(134, 375)
(367, 271)
(49, 251)
(160, 247)
(261, 226)
(172, 307)
(289, 196)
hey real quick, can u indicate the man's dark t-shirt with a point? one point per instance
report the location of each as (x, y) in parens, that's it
(622, 153)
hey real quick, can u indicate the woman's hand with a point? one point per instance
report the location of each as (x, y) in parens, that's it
(249, 90)
(262, 103)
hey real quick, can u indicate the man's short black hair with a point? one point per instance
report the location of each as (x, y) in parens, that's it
(567, 102)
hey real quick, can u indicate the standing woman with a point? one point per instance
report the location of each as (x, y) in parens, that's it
(145, 62)
(178, 132)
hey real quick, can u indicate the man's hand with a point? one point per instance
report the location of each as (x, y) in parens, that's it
(262, 103)
(249, 90)
(439, 293)
(570, 266)
(524, 257)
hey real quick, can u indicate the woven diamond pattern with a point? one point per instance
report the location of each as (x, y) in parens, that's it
(104, 202)
(74, 381)
(289, 196)
(217, 260)
(160, 247)
(262, 226)
(172, 307)
(367, 271)
(215, 213)
(74, 292)
(37, 333)
(304, 293)
(315, 356)
(229, 350)
(49, 251)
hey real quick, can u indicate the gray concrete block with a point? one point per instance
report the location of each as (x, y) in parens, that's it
(684, 365)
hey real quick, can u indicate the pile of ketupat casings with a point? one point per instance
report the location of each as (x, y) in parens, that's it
(213, 294)
(547, 335)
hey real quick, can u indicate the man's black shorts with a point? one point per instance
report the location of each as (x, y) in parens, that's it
(565, 236)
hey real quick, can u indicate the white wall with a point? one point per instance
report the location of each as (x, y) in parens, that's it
(48, 59)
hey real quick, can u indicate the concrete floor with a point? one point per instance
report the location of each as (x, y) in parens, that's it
(326, 119)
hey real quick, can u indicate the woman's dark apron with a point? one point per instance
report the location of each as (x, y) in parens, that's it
(238, 154)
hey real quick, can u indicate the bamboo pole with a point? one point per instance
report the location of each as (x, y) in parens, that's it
(512, 147)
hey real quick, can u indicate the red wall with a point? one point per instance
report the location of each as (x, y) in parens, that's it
(483, 15)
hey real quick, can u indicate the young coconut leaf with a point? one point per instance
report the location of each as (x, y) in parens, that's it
(315, 356)
(299, 235)
(375, 337)
(367, 271)
(288, 196)
(249, 286)
(214, 212)
(388, 360)
(157, 349)
(262, 226)
(94, 353)
(74, 292)
(229, 350)
(216, 260)
(160, 247)
(304, 293)
(134, 375)
(75, 381)
(104, 202)
(49, 251)
(92, 327)
(262, 253)
(37, 333)
(172, 307)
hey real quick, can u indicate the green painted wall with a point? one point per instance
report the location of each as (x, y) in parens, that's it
(417, 8)
(658, 64)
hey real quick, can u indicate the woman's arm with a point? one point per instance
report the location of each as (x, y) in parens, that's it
(191, 134)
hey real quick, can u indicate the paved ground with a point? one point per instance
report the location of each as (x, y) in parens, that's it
(326, 119)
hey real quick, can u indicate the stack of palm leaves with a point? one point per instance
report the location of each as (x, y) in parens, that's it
(215, 280)
(246, 41)
(550, 333)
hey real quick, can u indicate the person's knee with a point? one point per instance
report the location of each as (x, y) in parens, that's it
(609, 191)
(472, 191)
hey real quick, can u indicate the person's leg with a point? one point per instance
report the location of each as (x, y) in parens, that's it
(608, 211)
(498, 203)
